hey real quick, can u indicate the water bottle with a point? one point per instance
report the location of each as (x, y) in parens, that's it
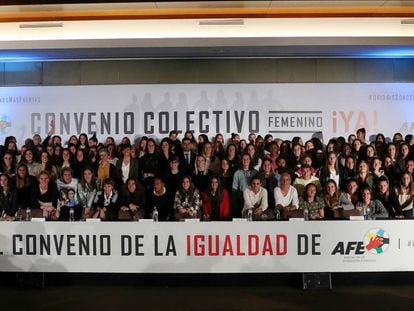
(155, 214)
(28, 214)
(250, 215)
(277, 214)
(366, 212)
(71, 214)
(306, 214)
(18, 215)
(195, 213)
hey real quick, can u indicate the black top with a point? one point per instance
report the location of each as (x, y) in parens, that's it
(8, 202)
(51, 195)
(163, 203)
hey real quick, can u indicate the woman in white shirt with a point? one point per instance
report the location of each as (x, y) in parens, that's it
(286, 196)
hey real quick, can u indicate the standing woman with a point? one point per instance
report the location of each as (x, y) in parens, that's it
(193, 142)
(269, 181)
(142, 146)
(29, 160)
(46, 165)
(226, 176)
(404, 154)
(8, 198)
(105, 169)
(166, 154)
(45, 197)
(218, 144)
(113, 153)
(187, 200)
(330, 170)
(364, 177)
(232, 157)
(81, 160)
(212, 162)
(392, 153)
(241, 180)
(65, 161)
(88, 188)
(256, 161)
(83, 142)
(149, 164)
(126, 167)
(202, 139)
(242, 147)
(405, 195)
(201, 175)
(296, 156)
(215, 200)
(24, 183)
(8, 165)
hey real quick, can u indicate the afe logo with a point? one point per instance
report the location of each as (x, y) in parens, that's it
(376, 241)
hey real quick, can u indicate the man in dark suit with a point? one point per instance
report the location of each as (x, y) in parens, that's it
(187, 157)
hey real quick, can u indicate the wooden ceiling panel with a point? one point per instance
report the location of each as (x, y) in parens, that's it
(207, 9)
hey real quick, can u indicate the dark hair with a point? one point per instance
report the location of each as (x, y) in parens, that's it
(219, 189)
(305, 192)
(362, 130)
(109, 181)
(92, 185)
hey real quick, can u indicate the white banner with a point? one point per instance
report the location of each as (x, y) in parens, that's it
(225, 247)
(284, 110)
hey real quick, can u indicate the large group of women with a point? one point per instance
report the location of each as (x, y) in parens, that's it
(183, 177)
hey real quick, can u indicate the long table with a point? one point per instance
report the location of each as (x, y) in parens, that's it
(207, 247)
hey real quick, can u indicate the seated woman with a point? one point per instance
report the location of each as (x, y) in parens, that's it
(215, 202)
(370, 208)
(8, 198)
(88, 188)
(161, 198)
(255, 201)
(286, 196)
(45, 197)
(132, 201)
(349, 198)
(187, 200)
(405, 195)
(310, 201)
(388, 197)
(68, 187)
(331, 198)
(106, 205)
